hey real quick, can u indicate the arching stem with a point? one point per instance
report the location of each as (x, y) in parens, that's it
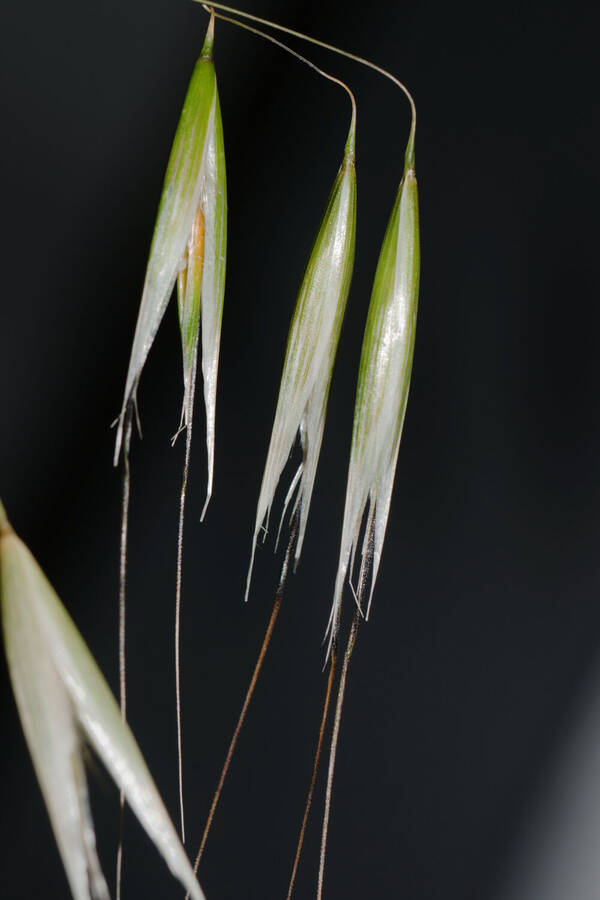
(298, 56)
(410, 149)
(333, 748)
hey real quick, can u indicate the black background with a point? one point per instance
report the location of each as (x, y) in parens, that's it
(470, 679)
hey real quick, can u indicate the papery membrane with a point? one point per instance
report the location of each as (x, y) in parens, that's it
(310, 352)
(61, 695)
(382, 394)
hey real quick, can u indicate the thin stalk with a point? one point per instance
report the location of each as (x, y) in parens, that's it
(315, 770)
(126, 490)
(250, 691)
(285, 47)
(187, 416)
(333, 748)
(125, 494)
(184, 481)
(410, 149)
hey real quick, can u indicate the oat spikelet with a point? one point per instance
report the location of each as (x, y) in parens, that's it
(63, 698)
(311, 348)
(382, 393)
(193, 203)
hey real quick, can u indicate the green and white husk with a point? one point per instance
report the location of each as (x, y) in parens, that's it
(382, 392)
(201, 286)
(310, 353)
(62, 699)
(194, 187)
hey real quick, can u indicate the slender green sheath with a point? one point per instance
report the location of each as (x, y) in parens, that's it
(61, 697)
(311, 349)
(382, 392)
(181, 196)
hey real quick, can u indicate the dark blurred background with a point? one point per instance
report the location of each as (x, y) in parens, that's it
(469, 760)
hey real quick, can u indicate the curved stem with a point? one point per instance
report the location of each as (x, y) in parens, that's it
(298, 56)
(410, 149)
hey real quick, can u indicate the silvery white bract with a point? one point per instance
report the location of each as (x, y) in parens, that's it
(62, 699)
(193, 197)
(382, 393)
(310, 353)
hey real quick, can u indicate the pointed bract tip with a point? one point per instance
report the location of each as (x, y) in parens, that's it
(350, 148)
(205, 507)
(124, 425)
(118, 441)
(251, 566)
(409, 156)
(209, 40)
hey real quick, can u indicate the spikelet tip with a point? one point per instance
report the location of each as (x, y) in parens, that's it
(207, 47)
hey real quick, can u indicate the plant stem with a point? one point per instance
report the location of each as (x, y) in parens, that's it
(315, 770)
(250, 691)
(410, 149)
(187, 417)
(184, 481)
(298, 56)
(333, 747)
(125, 494)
